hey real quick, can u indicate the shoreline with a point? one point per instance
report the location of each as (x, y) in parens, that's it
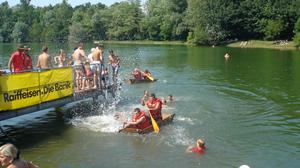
(279, 45)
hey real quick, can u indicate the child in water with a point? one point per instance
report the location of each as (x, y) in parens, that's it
(199, 148)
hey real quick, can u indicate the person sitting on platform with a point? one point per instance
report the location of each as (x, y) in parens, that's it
(139, 120)
(154, 105)
(137, 74)
(9, 158)
(199, 148)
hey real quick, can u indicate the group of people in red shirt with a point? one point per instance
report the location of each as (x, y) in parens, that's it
(20, 61)
(140, 120)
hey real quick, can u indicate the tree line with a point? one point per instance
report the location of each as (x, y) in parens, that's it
(203, 22)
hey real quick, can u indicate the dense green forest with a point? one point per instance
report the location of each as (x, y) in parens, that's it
(195, 21)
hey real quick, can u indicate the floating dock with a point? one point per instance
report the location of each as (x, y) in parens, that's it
(31, 92)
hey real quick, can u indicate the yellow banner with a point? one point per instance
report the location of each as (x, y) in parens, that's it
(56, 84)
(27, 89)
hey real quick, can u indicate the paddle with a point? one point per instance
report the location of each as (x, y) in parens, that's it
(148, 76)
(154, 124)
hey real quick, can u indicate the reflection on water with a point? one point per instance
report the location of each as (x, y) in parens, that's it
(246, 109)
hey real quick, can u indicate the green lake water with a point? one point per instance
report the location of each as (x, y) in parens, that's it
(247, 109)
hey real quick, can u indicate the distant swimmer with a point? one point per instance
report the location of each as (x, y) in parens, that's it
(139, 120)
(199, 148)
(226, 56)
(169, 99)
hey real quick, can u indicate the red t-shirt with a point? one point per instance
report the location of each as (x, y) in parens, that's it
(18, 61)
(28, 62)
(198, 150)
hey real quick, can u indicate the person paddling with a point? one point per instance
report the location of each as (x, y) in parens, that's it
(147, 75)
(139, 120)
(154, 105)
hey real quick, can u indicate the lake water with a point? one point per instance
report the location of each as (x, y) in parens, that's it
(247, 109)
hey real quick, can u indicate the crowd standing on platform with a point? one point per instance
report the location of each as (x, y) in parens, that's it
(90, 72)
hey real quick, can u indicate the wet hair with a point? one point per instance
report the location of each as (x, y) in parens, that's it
(9, 150)
(45, 49)
(111, 51)
(137, 110)
(200, 143)
(147, 71)
(152, 95)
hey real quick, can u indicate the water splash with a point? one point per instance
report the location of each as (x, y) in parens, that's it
(185, 119)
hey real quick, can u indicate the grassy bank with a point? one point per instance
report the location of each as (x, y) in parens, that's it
(282, 45)
(145, 42)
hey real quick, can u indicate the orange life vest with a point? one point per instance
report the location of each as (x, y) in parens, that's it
(144, 124)
(156, 114)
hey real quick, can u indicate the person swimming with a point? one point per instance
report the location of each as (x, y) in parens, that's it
(199, 148)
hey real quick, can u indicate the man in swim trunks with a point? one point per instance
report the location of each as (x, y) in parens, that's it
(98, 65)
(114, 61)
(78, 58)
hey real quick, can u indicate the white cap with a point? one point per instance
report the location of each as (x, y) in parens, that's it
(244, 166)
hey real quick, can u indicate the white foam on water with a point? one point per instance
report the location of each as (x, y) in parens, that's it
(101, 123)
(176, 135)
(185, 119)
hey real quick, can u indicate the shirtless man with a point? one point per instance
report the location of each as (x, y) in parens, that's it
(97, 64)
(114, 61)
(44, 60)
(78, 57)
